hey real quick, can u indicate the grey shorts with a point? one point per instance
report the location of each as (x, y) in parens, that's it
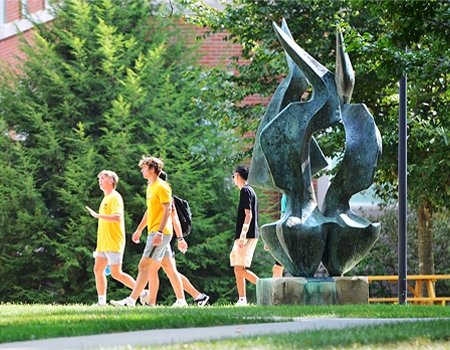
(113, 257)
(157, 253)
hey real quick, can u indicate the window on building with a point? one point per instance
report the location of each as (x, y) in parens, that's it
(24, 9)
(2, 11)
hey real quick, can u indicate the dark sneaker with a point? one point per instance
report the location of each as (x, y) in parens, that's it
(202, 300)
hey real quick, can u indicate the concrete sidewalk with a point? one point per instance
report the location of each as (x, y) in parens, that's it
(186, 335)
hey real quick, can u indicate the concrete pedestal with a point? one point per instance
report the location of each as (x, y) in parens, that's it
(312, 291)
(352, 290)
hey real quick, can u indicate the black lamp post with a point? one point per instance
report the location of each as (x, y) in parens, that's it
(402, 193)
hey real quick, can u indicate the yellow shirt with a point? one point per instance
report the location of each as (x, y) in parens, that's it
(158, 193)
(111, 235)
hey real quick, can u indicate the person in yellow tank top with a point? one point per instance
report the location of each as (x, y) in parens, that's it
(110, 236)
(159, 229)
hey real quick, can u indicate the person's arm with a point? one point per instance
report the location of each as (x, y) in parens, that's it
(106, 217)
(245, 227)
(137, 234)
(165, 216)
(157, 240)
(182, 244)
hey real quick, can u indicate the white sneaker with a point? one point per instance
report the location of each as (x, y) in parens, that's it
(99, 304)
(124, 302)
(180, 303)
(144, 299)
(241, 303)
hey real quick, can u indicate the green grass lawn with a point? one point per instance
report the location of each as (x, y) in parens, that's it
(27, 322)
(417, 335)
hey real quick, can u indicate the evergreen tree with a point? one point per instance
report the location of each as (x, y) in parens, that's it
(25, 245)
(105, 83)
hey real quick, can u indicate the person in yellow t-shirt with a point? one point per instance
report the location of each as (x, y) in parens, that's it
(159, 228)
(110, 236)
(169, 264)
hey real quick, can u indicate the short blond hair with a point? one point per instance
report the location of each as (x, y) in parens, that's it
(110, 174)
(152, 162)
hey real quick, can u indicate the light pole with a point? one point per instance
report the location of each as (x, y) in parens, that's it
(402, 193)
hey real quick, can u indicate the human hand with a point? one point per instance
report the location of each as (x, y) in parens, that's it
(92, 212)
(136, 237)
(157, 239)
(242, 242)
(182, 246)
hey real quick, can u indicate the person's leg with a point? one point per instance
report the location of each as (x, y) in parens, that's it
(145, 266)
(119, 275)
(148, 270)
(277, 270)
(249, 275)
(141, 281)
(189, 288)
(174, 277)
(241, 259)
(240, 281)
(248, 252)
(237, 261)
(145, 296)
(153, 280)
(100, 278)
(201, 299)
(168, 264)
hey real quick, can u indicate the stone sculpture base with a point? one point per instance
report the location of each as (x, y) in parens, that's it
(312, 291)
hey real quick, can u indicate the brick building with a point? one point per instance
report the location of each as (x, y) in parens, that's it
(13, 21)
(214, 51)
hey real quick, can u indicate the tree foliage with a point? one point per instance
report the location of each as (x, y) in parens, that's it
(381, 261)
(385, 40)
(105, 83)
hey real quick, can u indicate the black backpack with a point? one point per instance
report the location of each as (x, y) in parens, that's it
(184, 214)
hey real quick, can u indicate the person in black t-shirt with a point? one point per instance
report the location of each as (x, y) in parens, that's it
(246, 234)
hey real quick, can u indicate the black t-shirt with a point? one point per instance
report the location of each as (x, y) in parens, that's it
(247, 200)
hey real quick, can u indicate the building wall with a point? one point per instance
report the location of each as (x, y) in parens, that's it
(13, 21)
(9, 49)
(12, 10)
(213, 50)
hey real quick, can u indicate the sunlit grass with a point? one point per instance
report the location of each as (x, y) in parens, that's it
(425, 335)
(27, 322)
(418, 335)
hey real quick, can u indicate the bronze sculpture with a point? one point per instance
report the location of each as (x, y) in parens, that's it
(286, 156)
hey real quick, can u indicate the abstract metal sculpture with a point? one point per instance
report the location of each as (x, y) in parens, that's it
(286, 156)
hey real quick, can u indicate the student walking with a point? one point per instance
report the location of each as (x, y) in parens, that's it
(246, 234)
(169, 263)
(110, 236)
(159, 227)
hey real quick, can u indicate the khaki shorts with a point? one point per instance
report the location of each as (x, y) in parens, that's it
(243, 256)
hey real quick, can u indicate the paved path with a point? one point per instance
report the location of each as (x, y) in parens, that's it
(168, 336)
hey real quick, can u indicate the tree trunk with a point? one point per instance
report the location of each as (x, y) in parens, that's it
(425, 238)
